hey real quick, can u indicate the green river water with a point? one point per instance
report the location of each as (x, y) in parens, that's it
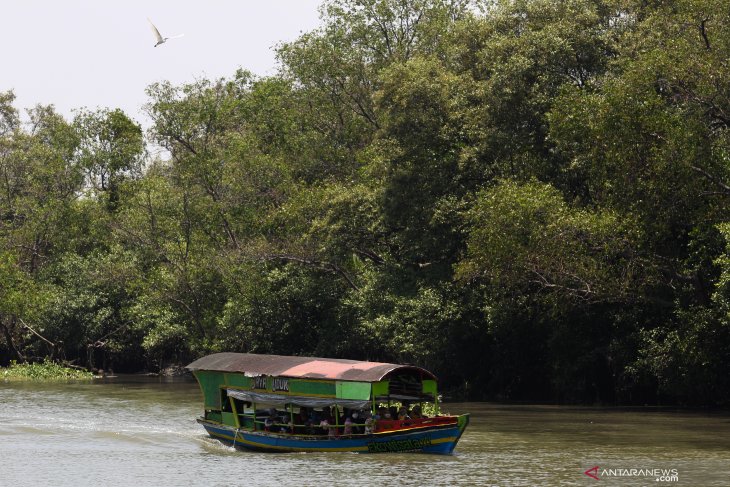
(139, 431)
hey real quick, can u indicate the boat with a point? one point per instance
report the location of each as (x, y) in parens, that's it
(281, 403)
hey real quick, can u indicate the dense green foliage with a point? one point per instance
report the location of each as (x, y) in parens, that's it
(46, 370)
(529, 197)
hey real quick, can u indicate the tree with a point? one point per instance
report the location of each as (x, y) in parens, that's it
(111, 149)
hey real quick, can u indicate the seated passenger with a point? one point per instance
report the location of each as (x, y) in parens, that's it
(304, 423)
(327, 427)
(271, 420)
(416, 412)
(403, 413)
(347, 431)
(358, 418)
(287, 426)
(393, 412)
(369, 423)
(383, 420)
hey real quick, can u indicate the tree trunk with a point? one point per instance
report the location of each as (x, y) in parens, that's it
(9, 340)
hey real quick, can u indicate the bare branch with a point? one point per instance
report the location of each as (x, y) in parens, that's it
(36, 333)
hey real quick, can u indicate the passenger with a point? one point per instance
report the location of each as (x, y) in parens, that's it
(403, 414)
(393, 412)
(358, 417)
(383, 422)
(416, 412)
(369, 423)
(268, 424)
(303, 415)
(271, 420)
(286, 424)
(328, 428)
(325, 426)
(382, 411)
(302, 421)
(338, 420)
(347, 431)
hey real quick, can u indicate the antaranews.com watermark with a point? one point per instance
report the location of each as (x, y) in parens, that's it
(656, 474)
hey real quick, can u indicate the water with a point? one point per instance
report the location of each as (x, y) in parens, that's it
(134, 431)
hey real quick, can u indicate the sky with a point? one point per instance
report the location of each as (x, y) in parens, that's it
(100, 54)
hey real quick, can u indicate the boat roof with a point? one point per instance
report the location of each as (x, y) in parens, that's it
(252, 364)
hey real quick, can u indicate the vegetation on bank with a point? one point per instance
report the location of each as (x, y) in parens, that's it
(528, 197)
(46, 370)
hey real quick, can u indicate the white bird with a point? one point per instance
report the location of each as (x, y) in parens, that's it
(160, 39)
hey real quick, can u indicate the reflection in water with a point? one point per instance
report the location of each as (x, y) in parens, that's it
(141, 431)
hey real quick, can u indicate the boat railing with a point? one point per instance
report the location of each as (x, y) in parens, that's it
(358, 429)
(397, 424)
(301, 429)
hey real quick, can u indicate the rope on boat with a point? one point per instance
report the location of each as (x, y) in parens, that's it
(235, 436)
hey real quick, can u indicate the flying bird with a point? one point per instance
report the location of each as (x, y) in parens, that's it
(158, 36)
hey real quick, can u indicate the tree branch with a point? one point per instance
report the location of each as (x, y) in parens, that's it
(703, 33)
(327, 266)
(712, 178)
(36, 333)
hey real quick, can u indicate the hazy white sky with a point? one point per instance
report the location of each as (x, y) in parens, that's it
(96, 53)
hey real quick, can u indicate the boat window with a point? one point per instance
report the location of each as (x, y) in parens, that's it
(242, 407)
(406, 384)
(225, 402)
(245, 408)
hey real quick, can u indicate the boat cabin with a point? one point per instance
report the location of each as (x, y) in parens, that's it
(285, 394)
